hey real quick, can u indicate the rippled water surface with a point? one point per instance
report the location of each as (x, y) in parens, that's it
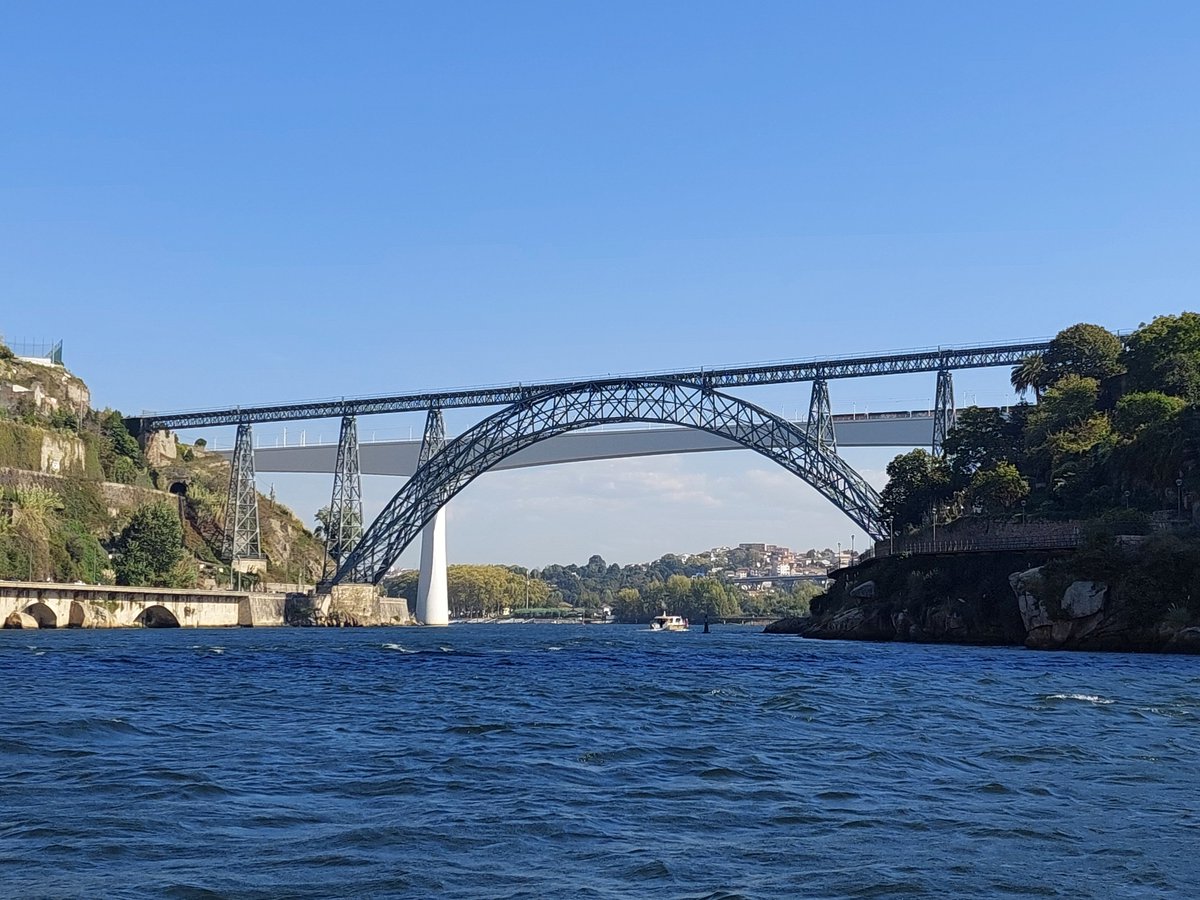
(603, 761)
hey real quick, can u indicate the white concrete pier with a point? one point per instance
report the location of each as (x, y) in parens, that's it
(433, 600)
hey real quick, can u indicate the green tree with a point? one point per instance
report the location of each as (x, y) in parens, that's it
(1071, 402)
(1164, 355)
(1030, 374)
(150, 548)
(1144, 409)
(981, 438)
(120, 455)
(917, 483)
(997, 488)
(1088, 351)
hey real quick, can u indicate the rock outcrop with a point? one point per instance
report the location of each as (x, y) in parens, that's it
(1002, 598)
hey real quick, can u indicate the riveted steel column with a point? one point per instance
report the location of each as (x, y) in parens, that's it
(242, 539)
(820, 418)
(345, 525)
(943, 411)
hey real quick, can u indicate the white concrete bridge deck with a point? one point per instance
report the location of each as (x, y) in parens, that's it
(891, 429)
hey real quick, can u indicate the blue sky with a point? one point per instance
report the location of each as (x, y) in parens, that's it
(227, 203)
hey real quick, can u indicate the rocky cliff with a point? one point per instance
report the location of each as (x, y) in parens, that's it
(72, 477)
(1140, 594)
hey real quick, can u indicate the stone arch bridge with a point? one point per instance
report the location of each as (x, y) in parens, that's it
(26, 604)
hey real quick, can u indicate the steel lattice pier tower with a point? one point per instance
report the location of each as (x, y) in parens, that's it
(345, 525)
(820, 418)
(242, 538)
(943, 411)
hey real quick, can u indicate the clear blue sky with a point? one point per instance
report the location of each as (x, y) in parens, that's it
(225, 203)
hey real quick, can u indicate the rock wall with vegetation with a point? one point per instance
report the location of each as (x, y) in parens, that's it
(1117, 593)
(1112, 445)
(80, 501)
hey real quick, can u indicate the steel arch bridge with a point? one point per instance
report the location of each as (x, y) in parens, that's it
(572, 407)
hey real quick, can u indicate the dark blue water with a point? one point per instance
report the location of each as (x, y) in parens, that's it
(563, 761)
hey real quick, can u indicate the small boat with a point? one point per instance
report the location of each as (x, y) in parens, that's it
(668, 623)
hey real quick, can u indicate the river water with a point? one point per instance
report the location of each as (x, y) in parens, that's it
(601, 761)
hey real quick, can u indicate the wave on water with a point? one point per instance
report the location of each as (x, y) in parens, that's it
(399, 649)
(1083, 698)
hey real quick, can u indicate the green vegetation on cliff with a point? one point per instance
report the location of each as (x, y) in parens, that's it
(1112, 445)
(80, 501)
(1116, 426)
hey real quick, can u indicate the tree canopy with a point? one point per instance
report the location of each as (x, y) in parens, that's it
(1116, 423)
(150, 549)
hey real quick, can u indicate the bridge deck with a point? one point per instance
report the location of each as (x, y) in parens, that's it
(911, 429)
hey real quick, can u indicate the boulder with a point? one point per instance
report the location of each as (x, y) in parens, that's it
(1084, 598)
(1033, 611)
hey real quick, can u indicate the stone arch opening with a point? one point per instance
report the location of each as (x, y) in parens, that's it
(77, 615)
(42, 614)
(543, 416)
(156, 617)
(178, 488)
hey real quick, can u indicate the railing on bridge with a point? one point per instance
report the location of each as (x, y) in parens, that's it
(975, 537)
(930, 360)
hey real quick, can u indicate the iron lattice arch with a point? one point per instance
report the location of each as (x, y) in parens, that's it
(561, 410)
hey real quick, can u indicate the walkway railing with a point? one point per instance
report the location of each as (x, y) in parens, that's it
(1033, 536)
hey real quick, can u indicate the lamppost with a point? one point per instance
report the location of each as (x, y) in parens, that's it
(891, 536)
(1125, 494)
(1179, 491)
(1023, 512)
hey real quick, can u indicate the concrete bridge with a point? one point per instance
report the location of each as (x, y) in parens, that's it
(31, 604)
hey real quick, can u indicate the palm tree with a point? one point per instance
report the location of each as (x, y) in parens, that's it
(1031, 373)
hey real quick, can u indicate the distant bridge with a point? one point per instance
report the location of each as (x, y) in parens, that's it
(548, 422)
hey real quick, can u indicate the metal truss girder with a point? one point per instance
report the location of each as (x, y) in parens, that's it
(539, 418)
(345, 507)
(943, 411)
(820, 418)
(931, 360)
(242, 538)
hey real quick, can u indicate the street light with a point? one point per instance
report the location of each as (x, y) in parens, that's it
(1179, 490)
(1022, 512)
